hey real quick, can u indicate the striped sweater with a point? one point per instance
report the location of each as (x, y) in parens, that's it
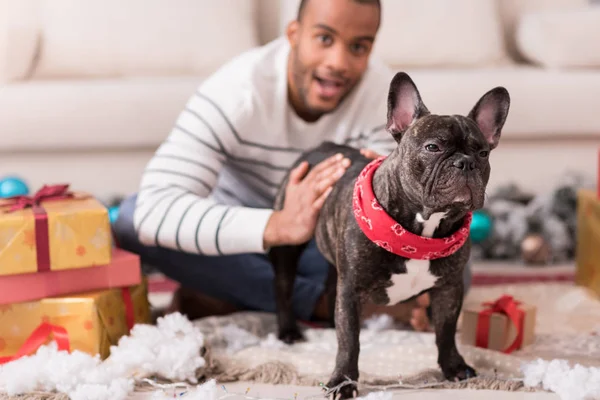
(210, 186)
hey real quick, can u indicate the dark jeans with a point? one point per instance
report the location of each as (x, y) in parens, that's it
(244, 280)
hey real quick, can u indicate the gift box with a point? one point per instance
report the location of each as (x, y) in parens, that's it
(53, 230)
(587, 273)
(90, 322)
(123, 270)
(504, 325)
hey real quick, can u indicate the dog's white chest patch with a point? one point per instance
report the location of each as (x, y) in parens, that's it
(417, 277)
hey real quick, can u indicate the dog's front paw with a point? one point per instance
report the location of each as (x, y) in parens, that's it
(458, 371)
(291, 335)
(337, 391)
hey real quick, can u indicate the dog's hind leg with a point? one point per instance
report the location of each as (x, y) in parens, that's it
(331, 290)
(285, 263)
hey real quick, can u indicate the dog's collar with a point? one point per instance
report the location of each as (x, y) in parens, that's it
(385, 232)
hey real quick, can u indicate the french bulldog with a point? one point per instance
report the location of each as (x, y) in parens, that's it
(397, 227)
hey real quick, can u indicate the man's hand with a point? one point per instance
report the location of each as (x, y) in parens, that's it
(304, 197)
(369, 154)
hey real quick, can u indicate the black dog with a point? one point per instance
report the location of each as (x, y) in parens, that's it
(394, 228)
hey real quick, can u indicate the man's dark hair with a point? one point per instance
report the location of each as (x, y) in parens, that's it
(304, 2)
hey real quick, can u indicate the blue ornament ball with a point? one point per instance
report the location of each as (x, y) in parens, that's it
(113, 214)
(12, 186)
(481, 226)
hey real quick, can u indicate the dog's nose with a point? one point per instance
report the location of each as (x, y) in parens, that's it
(465, 163)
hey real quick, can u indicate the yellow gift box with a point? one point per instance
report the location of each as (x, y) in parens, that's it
(53, 230)
(588, 240)
(93, 321)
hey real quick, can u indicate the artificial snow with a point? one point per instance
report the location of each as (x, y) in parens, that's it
(206, 391)
(570, 383)
(379, 322)
(170, 349)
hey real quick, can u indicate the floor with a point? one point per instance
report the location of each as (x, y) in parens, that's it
(261, 391)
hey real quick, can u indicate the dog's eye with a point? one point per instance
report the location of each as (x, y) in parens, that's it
(483, 153)
(432, 147)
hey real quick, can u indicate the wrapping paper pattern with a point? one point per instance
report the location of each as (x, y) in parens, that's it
(588, 240)
(78, 232)
(94, 321)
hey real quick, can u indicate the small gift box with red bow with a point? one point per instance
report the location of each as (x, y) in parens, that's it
(588, 237)
(503, 325)
(55, 229)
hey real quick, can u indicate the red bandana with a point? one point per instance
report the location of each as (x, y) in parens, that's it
(378, 226)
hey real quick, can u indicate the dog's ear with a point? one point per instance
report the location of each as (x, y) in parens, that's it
(404, 105)
(490, 113)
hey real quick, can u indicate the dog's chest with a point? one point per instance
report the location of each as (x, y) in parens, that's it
(416, 279)
(417, 276)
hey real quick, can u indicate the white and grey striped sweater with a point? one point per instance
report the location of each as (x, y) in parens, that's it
(209, 187)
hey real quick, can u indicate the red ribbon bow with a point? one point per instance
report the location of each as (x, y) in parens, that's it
(42, 242)
(38, 338)
(46, 193)
(507, 306)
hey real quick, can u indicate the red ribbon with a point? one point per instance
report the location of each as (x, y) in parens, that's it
(42, 242)
(38, 338)
(507, 306)
(129, 312)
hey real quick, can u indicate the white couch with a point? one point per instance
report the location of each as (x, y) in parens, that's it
(88, 89)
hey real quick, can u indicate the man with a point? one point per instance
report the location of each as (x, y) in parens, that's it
(203, 212)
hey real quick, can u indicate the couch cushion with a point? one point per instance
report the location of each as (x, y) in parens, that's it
(561, 39)
(440, 33)
(511, 12)
(139, 113)
(18, 39)
(544, 103)
(93, 114)
(113, 38)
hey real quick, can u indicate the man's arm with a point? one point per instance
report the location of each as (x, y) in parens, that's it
(174, 210)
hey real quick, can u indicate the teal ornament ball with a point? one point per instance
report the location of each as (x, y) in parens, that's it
(11, 186)
(113, 214)
(481, 226)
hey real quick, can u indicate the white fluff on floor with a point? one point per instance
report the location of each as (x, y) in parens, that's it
(379, 322)
(206, 391)
(570, 383)
(381, 395)
(170, 349)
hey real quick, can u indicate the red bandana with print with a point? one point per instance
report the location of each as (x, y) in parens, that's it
(385, 232)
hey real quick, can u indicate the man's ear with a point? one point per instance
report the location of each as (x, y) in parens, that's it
(404, 105)
(490, 113)
(292, 31)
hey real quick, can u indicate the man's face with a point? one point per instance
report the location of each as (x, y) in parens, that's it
(330, 52)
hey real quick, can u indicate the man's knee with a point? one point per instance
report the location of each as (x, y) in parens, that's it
(124, 227)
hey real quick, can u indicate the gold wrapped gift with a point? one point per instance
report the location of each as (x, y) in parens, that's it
(588, 240)
(93, 321)
(53, 230)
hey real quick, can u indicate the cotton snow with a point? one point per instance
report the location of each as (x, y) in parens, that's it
(170, 349)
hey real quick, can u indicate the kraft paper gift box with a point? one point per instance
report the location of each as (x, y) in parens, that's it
(90, 322)
(123, 270)
(503, 325)
(53, 230)
(588, 238)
